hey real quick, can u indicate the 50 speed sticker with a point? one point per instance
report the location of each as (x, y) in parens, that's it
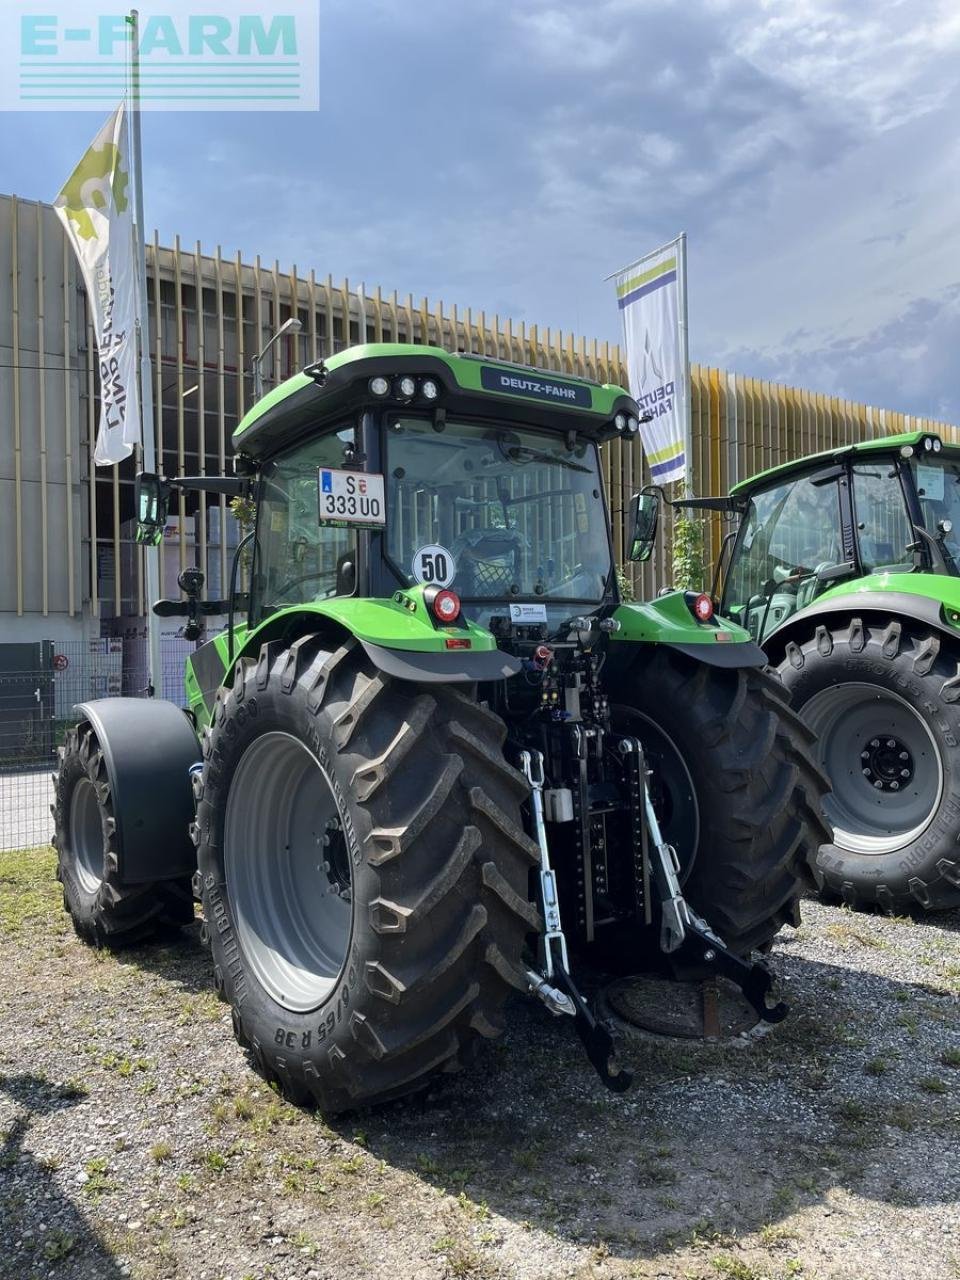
(434, 565)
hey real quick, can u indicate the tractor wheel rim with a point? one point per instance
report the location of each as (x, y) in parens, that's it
(883, 763)
(672, 791)
(288, 874)
(86, 835)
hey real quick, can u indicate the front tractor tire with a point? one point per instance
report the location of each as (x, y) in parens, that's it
(364, 873)
(737, 788)
(106, 911)
(884, 700)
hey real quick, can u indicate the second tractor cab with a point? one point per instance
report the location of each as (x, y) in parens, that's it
(844, 566)
(434, 757)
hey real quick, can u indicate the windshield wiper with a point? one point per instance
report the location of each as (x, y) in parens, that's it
(514, 451)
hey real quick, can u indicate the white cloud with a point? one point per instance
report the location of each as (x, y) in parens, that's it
(880, 65)
(509, 157)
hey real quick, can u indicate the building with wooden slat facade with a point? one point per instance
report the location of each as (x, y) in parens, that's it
(68, 564)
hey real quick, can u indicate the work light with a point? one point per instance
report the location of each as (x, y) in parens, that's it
(379, 386)
(429, 389)
(407, 387)
(937, 445)
(633, 425)
(620, 422)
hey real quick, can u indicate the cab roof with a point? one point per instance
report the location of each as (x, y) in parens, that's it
(883, 444)
(467, 384)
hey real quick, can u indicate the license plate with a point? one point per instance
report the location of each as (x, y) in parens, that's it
(351, 498)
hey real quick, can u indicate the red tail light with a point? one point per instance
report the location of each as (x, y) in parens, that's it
(446, 606)
(703, 607)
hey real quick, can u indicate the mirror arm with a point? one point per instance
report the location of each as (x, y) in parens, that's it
(231, 486)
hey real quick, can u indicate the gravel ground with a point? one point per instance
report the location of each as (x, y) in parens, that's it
(136, 1141)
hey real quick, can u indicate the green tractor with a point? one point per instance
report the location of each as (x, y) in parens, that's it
(434, 757)
(845, 567)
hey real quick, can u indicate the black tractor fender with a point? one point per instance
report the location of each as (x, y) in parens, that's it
(148, 746)
(742, 654)
(888, 605)
(454, 666)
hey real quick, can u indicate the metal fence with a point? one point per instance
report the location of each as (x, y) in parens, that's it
(40, 684)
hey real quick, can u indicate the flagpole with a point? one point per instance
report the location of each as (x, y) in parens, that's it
(148, 426)
(685, 360)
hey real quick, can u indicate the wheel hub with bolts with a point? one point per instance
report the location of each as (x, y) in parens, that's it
(336, 859)
(887, 763)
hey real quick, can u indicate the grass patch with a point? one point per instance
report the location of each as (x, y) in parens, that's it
(98, 1182)
(28, 888)
(777, 1233)
(58, 1245)
(950, 1057)
(123, 1065)
(932, 1084)
(735, 1268)
(460, 1258)
(900, 1116)
(847, 935)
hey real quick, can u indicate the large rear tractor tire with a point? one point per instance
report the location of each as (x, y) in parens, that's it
(364, 873)
(105, 911)
(884, 701)
(737, 789)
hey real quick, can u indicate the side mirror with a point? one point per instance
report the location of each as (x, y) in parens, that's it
(152, 496)
(645, 510)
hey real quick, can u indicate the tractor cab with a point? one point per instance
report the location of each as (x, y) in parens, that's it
(886, 507)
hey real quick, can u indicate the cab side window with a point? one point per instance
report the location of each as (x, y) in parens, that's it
(883, 529)
(298, 560)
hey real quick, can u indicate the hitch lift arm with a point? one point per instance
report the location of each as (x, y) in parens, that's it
(686, 936)
(564, 996)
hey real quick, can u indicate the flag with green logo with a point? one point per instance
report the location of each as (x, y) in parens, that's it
(649, 298)
(95, 207)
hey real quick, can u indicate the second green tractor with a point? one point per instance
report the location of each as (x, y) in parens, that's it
(845, 566)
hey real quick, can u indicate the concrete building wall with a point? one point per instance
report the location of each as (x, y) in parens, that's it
(43, 460)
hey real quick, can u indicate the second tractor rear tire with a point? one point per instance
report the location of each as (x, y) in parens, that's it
(884, 699)
(364, 873)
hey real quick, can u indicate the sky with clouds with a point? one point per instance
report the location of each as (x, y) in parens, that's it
(510, 156)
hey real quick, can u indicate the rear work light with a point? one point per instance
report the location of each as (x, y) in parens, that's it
(446, 606)
(702, 607)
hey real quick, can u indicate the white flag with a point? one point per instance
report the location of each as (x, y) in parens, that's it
(648, 297)
(95, 207)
